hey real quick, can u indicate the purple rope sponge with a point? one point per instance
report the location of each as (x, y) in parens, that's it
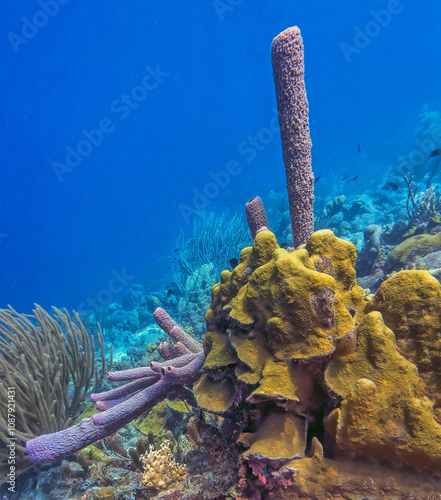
(118, 407)
(292, 106)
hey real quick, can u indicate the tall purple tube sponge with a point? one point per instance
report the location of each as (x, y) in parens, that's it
(292, 106)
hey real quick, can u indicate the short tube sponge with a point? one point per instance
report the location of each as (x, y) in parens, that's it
(292, 106)
(256, 216)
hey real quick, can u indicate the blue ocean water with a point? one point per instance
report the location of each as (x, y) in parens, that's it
(164, 98)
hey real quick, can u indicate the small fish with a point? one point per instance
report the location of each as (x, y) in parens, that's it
(176, 250)
(345, 177)
(435, 152)
(317, 178)
(392, 185)
(355, 178)
(284, 245)
(223, 247)
(234, 262)
(359, 147)
(170, 293)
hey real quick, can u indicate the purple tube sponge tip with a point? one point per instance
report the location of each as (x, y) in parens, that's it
(256, 216)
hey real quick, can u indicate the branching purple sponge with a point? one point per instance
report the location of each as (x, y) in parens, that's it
(118, 407)
(292, 106)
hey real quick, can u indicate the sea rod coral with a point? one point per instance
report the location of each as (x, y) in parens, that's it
(41, 357)
(119, 406)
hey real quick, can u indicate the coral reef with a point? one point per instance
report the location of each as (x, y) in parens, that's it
(423, 210)
(299, 360)
(389, 232)
(292, 106)
(411, 249)
(306, 386)
(371, 249)
(212, 463)
(130, 326)
(335, 206)
(258, 323)
(191, 307)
